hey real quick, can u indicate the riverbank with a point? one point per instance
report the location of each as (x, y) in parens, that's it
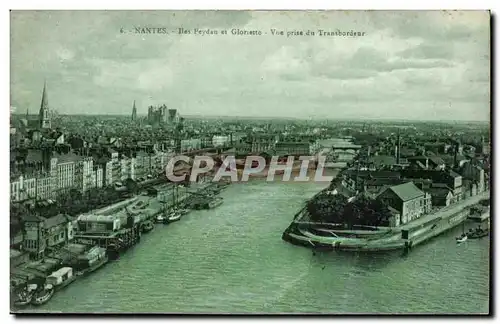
(140, 210)
(382, 239)
(231, 260)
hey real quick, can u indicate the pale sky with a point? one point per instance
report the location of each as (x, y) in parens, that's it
(409, 65)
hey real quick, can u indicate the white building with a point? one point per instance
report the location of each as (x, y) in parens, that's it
(218, 141)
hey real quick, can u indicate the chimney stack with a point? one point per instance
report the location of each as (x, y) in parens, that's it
(398, 150)
(455, 158)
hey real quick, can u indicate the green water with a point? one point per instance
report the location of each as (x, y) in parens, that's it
(232, 260)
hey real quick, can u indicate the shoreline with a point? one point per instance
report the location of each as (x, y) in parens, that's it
(133, 235)
(417, 231)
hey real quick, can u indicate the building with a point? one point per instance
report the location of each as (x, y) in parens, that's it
(475, 173)
(85, 179)
(41, 233)
(161, 115)
(190, 144)
(43, 116)
(449, 178)
(263, 142)
(221, 141)
(409, 201)
(65, 166)
(134, 112)
(427, 162)
(127, 168)
(441, 196)
(292, 148)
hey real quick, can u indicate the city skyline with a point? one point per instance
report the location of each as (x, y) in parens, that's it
(409, 65)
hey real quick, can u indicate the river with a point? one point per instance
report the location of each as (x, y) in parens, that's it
(232, 260)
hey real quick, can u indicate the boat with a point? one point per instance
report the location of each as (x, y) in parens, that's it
(61, 278)
(184, 211)
(174, 216)
(95, 263)
(462, 238)
(148, 226)
(43, 295)
(215, 202)
(113, 251)
(479, 233)
(25, 296)
(160, 219)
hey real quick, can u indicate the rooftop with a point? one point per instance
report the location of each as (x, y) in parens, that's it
(406, 191)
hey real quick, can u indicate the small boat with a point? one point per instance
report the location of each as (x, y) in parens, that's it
(25, 296)
(94, 265)
(184, 211)
(61, 278)
(160, 219)
(174, 216)
(462, 238)
(147, 227)
(44, 295)
(479, 233)
(113, 251)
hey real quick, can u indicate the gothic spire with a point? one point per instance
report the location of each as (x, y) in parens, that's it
(45, 99)
(134, 112)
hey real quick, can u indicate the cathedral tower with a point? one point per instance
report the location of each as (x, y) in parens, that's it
(134, 112)
(43, 117)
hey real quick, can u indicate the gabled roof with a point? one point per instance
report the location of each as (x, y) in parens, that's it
(436, 160)
(56, 220)
(406, 191)
(441, 185)
(440, 192)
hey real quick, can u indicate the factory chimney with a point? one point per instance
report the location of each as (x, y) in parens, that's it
(455, 155)
(398, 148)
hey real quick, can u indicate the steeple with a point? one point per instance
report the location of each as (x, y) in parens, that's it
(43, 116)
(134, 112)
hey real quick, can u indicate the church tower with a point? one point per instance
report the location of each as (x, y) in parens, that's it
(43, 116)
(134, 112)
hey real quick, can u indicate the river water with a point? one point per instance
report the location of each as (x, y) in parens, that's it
(232, 260)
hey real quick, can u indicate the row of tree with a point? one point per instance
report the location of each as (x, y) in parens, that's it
(336, 209)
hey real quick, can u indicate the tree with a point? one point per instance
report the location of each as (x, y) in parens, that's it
(327, 208)
(132, 186)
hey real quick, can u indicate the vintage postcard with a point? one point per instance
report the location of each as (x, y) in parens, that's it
(250, 162)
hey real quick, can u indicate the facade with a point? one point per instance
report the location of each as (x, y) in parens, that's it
(221, 141)
(292, 148)
(127, 168)
(407, 200)
(427, 162)
(161, 115)
(441, 197)
(263, 142)
(475, 173)
(42, 233)
(190, 144)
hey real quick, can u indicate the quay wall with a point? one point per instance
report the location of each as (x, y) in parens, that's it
(419, 231)
(115, 207)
